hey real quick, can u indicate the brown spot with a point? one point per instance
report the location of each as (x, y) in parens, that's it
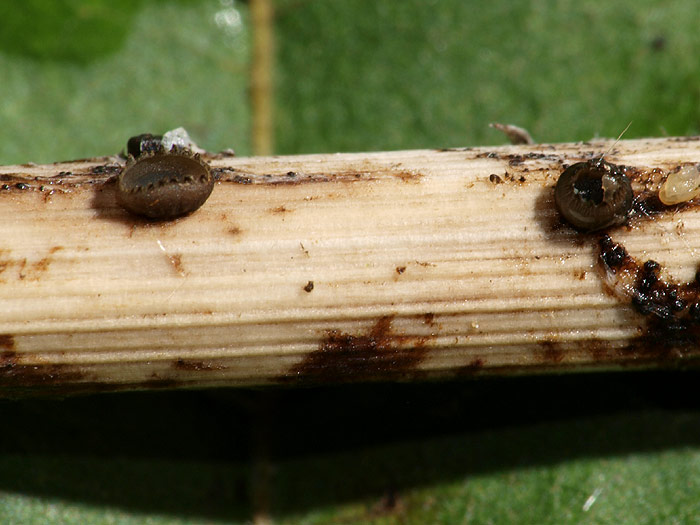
(511, 178)
(474, 366)
(408, 176)
(362, 172)
(429, 318)
(658, 345)
(40, 266)
(601, 350)
(15, 375)
(7, 341)
(551, 352)
(280, 209)
(379, 354)
(22, 266)
(110, 169)
(62, 182)
(235, 230)
(4, 263)
(35, 271)
(519, 158)
(7, 358)
(309, 287)
(487, 155)
(156, 382)
(176, 261)
(276, 179)
(228, 174)
(400, 269)
(196, 366)
(495, 179)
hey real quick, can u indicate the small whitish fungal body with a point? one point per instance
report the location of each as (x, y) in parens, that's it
(164, 184)
(593, 195)
(681, 186)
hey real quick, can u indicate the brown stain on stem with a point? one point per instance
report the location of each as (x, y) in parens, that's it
(5, 259)
(17, 375)
(550, 352)
(34, 271)
(7, 342)
(190, 365)
(176, 261)
(363, 172)
(280, 209)
(408, 176)
(475, 366)
(378, 354)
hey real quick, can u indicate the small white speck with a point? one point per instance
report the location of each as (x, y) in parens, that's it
(591, 499)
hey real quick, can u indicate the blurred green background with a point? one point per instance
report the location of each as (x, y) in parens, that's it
(77, 78)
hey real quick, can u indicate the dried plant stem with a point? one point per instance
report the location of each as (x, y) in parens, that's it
(323, 268)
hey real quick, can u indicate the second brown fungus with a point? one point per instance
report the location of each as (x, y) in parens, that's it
(593, 195)
(144, 143)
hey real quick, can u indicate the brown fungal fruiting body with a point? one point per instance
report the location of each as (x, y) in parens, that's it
(593, 195)
(164, 184)
(144, 143)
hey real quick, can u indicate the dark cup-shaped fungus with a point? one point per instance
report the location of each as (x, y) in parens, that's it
(144, 143)
(593, 195)
(163, 184)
